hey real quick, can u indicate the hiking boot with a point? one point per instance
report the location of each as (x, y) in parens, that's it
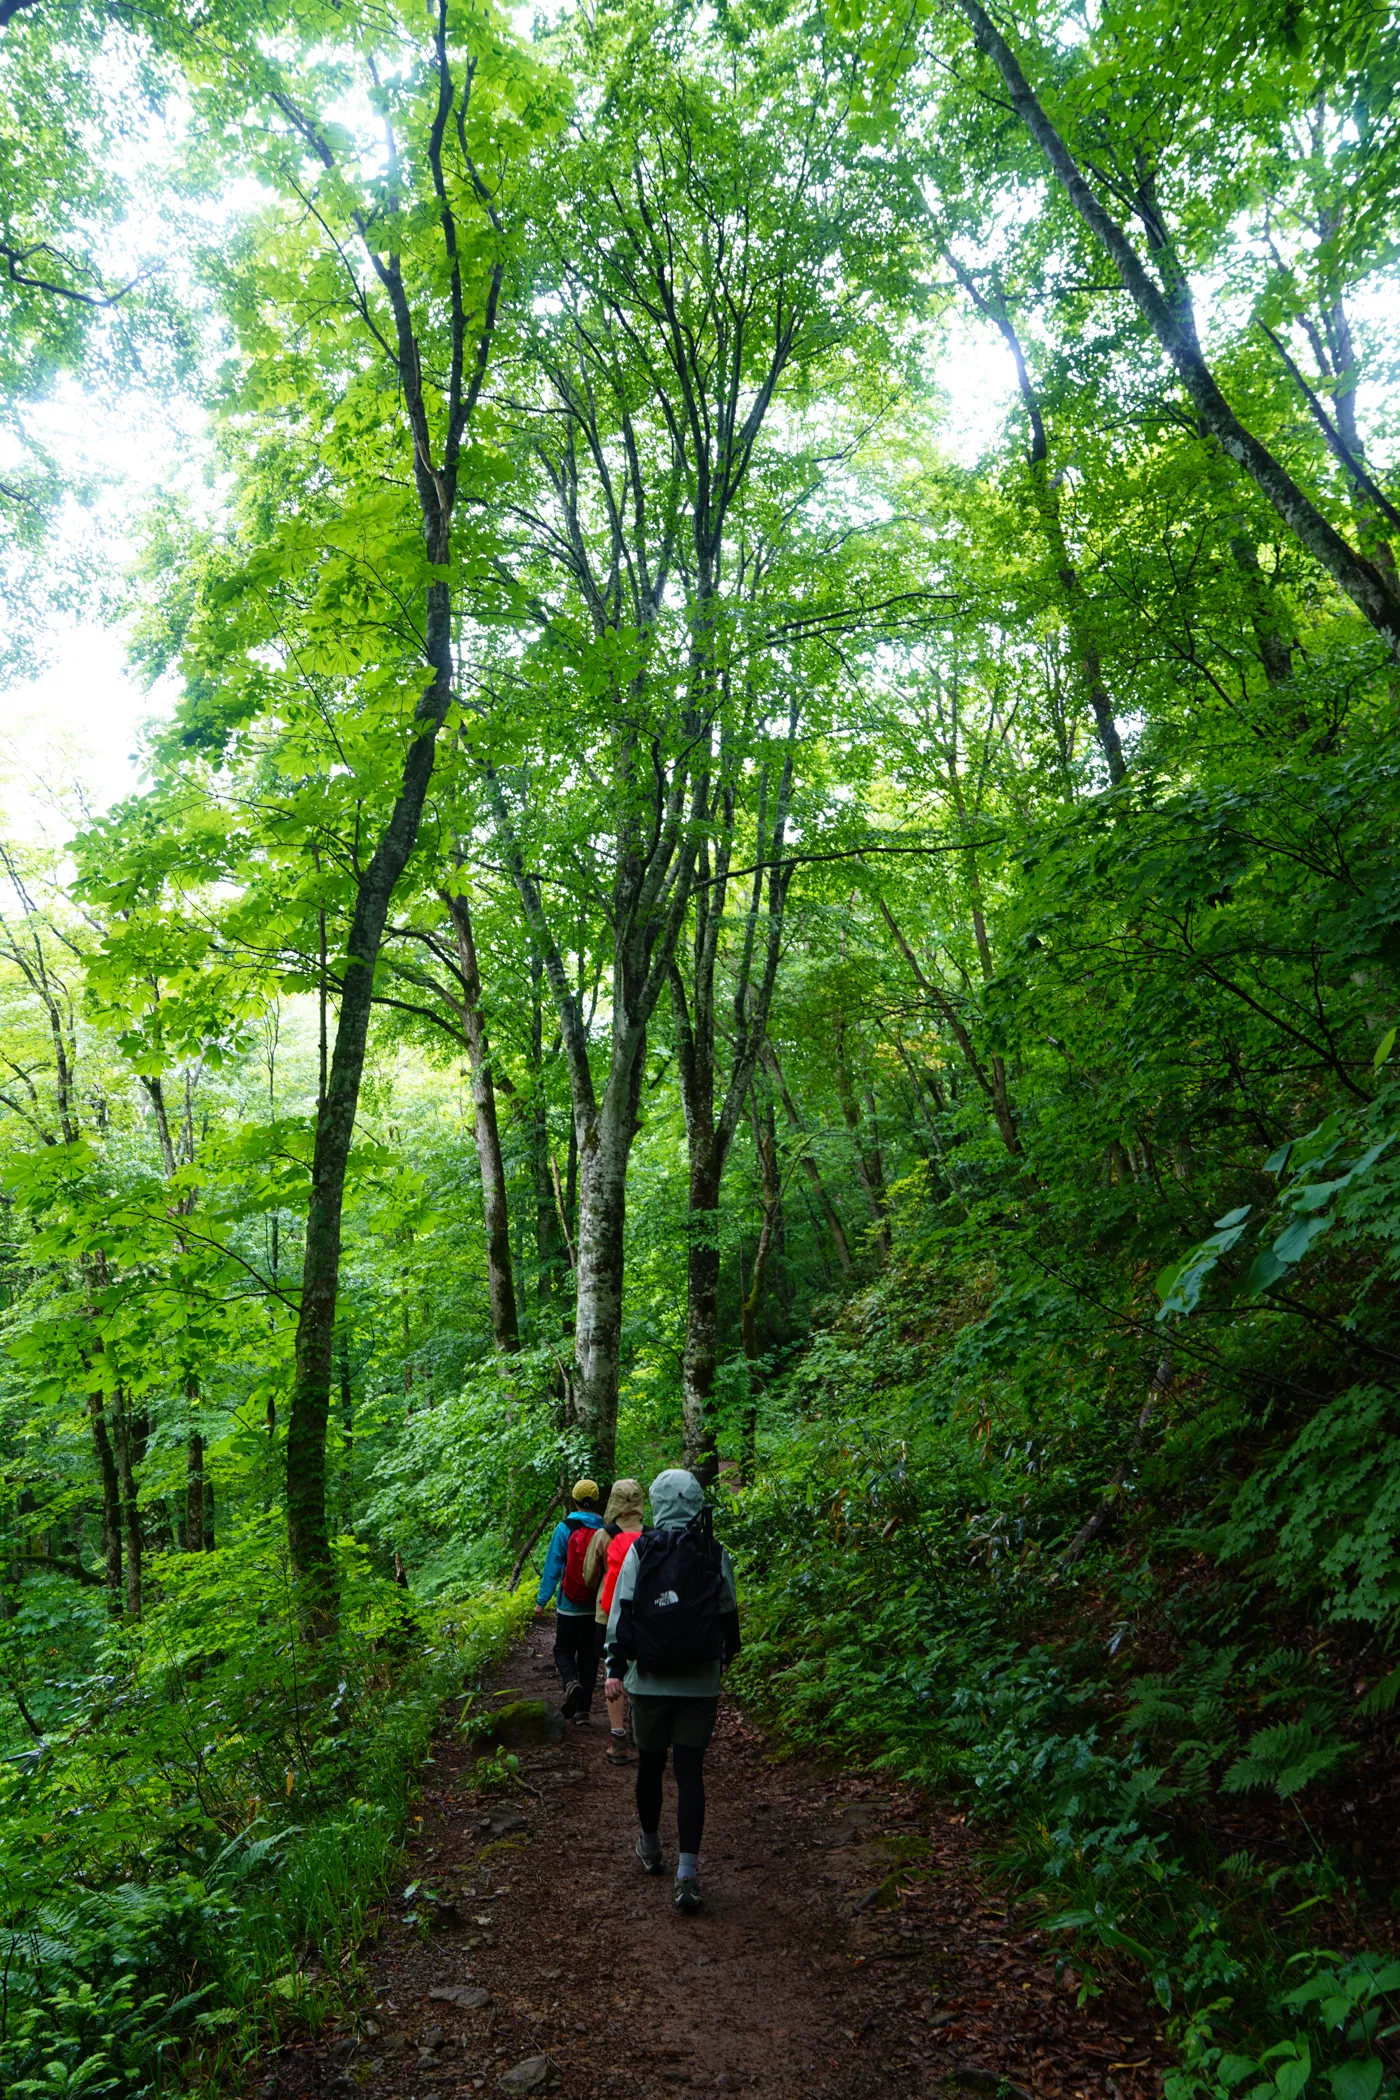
(582, 1717)
(688, 1894)
(617, 1752)
(651, 1860)
(573, 1692)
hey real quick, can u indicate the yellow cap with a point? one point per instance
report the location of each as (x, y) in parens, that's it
(585, 1491)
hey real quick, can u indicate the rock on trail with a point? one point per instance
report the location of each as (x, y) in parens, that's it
(847, 1949)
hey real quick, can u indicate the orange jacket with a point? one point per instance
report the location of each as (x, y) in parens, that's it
(617, 1554)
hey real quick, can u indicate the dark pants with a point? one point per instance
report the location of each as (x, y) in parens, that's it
(576, 1650)
(690, 1792)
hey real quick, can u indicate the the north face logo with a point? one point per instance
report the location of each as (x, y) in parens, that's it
(666, 1597)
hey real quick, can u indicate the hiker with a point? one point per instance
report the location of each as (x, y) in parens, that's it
(575, 1628)
(673, 1625)
(602, 1564)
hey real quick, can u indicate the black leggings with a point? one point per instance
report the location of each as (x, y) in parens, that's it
(690, 1793)
(576, 1649)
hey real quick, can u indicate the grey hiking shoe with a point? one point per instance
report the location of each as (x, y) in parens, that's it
(688, 1894)
(649, 1855)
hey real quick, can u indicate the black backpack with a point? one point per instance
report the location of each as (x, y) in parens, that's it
(672, 1619)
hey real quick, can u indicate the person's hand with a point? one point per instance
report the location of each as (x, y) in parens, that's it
(539, 1611)
(612, 1688)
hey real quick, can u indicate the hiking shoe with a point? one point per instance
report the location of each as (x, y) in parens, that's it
(573, 1692)
(583, 1718)
(652, 1862)
(617, 1752)
(688, 1894)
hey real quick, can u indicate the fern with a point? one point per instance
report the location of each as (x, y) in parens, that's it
(1287, 1758)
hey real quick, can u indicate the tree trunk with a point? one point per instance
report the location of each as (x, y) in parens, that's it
(602, 1214)
(194, 1493)
(505, 1327)
(766, 1149)
(701, 1453)
(552, 1229)
(820, 1193)
(1047, 506)
(709, 1136)
(111, 1501)
(309, 1412)
(436, 486)
(993, 1084)
(125, 1439)
(868, 1167)
(1275, 649)
(1169, 315)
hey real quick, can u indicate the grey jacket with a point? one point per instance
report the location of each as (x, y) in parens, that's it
(676, 1497)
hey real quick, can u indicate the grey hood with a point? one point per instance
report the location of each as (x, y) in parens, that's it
(676, 1497)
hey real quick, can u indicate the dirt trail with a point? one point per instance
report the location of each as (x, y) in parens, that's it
(846, 1949)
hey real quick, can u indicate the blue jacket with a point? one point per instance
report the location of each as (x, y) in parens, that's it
(553, 1572)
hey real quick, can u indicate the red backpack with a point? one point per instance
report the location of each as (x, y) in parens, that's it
(575, 1589)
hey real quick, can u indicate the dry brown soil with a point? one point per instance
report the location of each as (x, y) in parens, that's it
(848, 1947)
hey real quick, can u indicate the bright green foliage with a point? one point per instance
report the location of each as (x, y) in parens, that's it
(1056, 1334)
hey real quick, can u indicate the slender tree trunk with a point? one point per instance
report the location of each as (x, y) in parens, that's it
(702, 1319)
(602, 1215)
(1275, 648)
(551, 1212)
(872, 1179)
(194, 1492)
(111, 1501)
(1168, 313)
(993, 1083)
(1047, 506)
(709, 1136)
(347, 1393)
(505, 1326)
(766, 1149)
(1077, 619)
(125, 1454)
(820, 1193)
(309, 1411)
(436, 486)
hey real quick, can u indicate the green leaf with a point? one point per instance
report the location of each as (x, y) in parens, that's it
(1383, 1049)
(1358, 2081)
(1292, 1245)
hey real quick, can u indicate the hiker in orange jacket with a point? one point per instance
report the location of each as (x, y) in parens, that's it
(607, 1550)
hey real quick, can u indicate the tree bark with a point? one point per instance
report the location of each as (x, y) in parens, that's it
(993, 1083)
(309, 1412)
(126, 1440)
(868, 1166)
(194, 1492)
(1169, 314)
(1275, 649)
(709, 1137)
(505, 1326)
(766, 1151)
(111, 1501)
(820, 1193)
(604, 1148)
(553, 1241)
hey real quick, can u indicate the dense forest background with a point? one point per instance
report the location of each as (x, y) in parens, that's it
(704, 894)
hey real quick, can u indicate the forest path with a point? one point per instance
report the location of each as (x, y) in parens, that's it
(847, 1948)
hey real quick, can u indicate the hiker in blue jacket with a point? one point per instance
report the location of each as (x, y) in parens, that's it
(575, 1628)
(673, 1625)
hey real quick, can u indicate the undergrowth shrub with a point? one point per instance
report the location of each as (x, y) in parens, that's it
(910, 1601)
(190, 1861)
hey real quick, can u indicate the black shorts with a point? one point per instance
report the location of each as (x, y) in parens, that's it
(659, 1722)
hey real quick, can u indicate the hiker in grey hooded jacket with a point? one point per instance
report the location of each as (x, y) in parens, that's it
(674, 1710)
